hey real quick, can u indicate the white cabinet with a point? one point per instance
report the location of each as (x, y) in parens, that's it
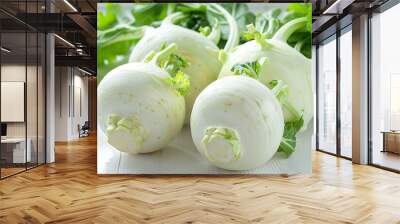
(19, 155)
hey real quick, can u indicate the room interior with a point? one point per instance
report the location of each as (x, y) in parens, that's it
(48, 107)
(25, 68)
(333, 51)
(22, 102)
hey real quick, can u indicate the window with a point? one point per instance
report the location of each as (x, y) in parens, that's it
(385, 89)
(327, 96)
(346, 92)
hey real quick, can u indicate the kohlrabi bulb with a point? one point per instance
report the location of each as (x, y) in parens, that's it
(199, 51)
(273, 59)
(237, 123)
(141, 108)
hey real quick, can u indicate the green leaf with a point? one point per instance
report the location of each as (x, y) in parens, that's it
(302, 38)
(281, 91)
(114, 46)
(268, 22)
(111, 14)
(105, 20)
(205, 30)
(120, 31)
(253, 34)
(172, 63)
(306, 50)
(251, 69)
(107, 15)
(148, 13)
(279, 88)
(288, 143)
(297, 10)
(239, 11)
(119, 34)
(121, 28)
(195, 16)
(300, 8)
(294, 11)
(180, 82)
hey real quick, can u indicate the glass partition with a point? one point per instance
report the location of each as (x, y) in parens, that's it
(22, 76)
(327, 96)
(32, 98)
(346, 92)
(13, 105)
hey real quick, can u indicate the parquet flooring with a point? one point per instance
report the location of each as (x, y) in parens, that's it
(10, 171)
(70, 191)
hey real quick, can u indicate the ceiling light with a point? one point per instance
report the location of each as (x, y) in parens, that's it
(337, 7)
(332, 9)
(79, 51)
(84, 71)
(65, 41)
(5, 50)
(70, 5)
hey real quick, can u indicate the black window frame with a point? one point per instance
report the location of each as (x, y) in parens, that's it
(30, 29)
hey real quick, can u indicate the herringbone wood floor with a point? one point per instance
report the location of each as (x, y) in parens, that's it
(70, 191)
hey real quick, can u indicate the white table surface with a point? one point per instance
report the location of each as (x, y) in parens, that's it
(181, 157)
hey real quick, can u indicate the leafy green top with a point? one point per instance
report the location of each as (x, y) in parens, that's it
(166, 59)
(253, 34)
(180, 82)
(251, 69)
(121, 27)
(288, 143)
(291, 128)
(228, 135)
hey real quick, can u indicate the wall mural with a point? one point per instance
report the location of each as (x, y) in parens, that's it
(191, 88)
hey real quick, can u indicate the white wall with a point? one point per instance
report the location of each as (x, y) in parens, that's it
(50, 93)
(70, 83)
(62, 81)
(12, 73)
(33, 126)
(79, 117)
